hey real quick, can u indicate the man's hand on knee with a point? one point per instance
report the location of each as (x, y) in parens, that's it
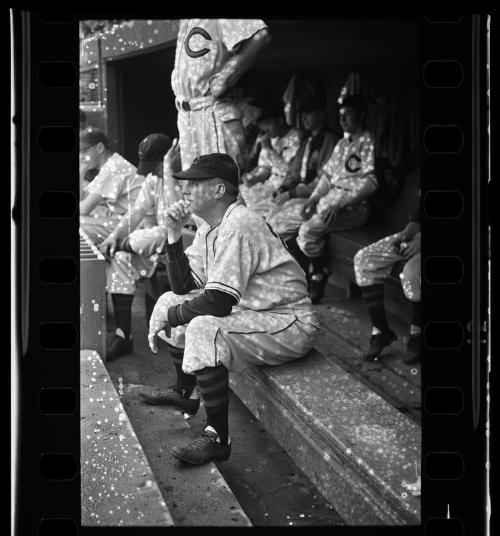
(155, 326)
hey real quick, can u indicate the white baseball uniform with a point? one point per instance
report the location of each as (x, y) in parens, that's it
(126, 269)
(207, 125)
(259, 196)
(273, 321)
(118, 184)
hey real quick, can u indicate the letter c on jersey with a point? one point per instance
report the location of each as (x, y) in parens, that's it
(351, 165)
(196, 53)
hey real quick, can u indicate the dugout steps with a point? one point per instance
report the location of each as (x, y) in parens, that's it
(118, 487)
(355, 447)
(127, 483)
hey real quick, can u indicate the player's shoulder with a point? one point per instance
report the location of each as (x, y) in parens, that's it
(240, 219)
(366, 137)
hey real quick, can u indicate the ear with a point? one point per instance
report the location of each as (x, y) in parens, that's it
(100, 147)
(220, 190)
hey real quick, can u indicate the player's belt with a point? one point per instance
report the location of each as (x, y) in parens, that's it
(190, 105)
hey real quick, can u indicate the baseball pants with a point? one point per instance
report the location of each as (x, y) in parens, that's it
(311, 234)
(216, 128)
(373, 264)
(127, 269)
(242, 339)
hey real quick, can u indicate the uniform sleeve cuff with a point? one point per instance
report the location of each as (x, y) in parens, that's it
(173, 251)
(174, 316)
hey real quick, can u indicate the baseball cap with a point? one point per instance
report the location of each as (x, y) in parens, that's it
(91, 136)
(211, 166)
(353, 101)
(151, 151)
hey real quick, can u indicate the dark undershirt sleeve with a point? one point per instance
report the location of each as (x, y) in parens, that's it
(179, 272)
(210, 302)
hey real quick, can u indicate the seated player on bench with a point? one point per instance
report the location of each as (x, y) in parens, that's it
(238, 299)
(372, 266)
(303, 172)
(112, 192)
(279, 144)
(133, 254)
(339, 200)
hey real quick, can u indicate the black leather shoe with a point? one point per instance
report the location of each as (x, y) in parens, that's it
(413, 350)
(173, 396)
(118, 347)
(203, 449)
(378, 342)
(317, 284)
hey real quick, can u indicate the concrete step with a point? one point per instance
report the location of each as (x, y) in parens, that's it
(357, 449)
(195, 495)
(118, 487)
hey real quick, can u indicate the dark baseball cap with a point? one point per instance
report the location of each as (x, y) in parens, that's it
(91, 136)
(353, 101)
(211, 166)
(152, 150)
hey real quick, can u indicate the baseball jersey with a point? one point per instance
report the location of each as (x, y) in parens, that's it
(152, 198)
(284, 150)
(349, 169)
(203, 47)
(243, 257)
(118, 184)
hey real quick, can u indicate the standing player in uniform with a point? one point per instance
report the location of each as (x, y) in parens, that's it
(133, 253)
(372, 266)
(239, 299)
(210, 57)
(112, 192)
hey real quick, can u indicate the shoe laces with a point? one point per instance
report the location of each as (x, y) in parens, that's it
(203, 439)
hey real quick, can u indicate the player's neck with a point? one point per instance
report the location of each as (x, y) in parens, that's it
(215, 215)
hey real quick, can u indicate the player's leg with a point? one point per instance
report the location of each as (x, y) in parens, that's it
(182, 394)
(215, 345)
(286, 221)
(410, 279)
(372, 266)
(97, 229)
(122, 273)
(311, 240)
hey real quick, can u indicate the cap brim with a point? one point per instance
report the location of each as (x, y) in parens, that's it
(145, 168)
(193, 174)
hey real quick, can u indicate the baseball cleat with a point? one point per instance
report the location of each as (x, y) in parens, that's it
(413, 349)
(378, 342)
(118, 347)
(205, 448)
(317, 284)
(173, 396)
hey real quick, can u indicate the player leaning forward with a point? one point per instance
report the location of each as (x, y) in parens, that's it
(239, 299)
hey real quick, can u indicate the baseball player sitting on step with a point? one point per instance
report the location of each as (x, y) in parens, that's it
(339, 199)
(132, 253)
(112, 192)
(303, 172)
(279, 144)
(239, 299)
(372, 266)
(210, 57)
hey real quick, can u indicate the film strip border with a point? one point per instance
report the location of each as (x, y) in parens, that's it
(454, 277)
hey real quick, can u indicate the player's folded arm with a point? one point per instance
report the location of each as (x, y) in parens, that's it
(210, 302)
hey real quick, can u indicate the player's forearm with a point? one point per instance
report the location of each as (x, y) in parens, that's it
(245, 58)
(129, 222)
(210, 302)
(366, 189)
(178, 269)
(322, 188)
